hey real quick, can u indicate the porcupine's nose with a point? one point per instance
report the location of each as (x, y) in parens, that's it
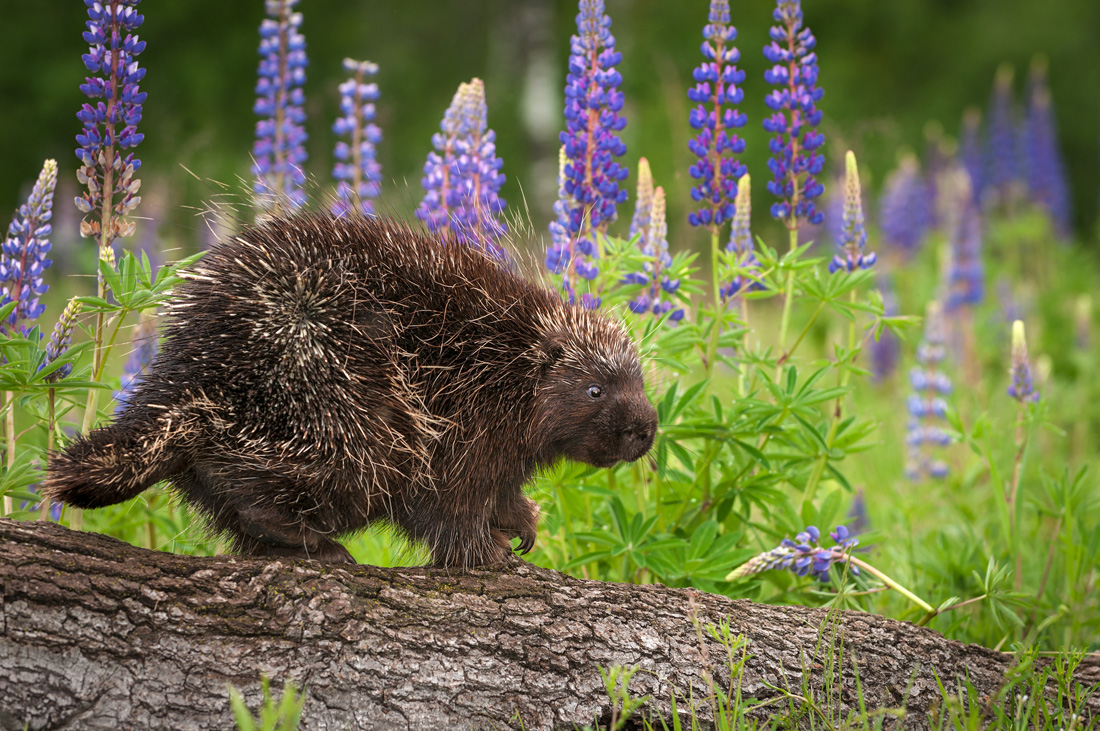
(638, 437)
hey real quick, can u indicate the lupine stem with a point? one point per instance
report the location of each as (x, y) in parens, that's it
(864, 566)
(712, 351)
(44, 512)
(787, 296)
(9, 438)
(1021, 445)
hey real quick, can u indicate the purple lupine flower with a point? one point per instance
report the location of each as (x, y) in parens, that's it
(658, 285)
(462, 177)
(966, 272)
(357, 171)
(143, 347)
(796, 160)
(1002, 153)
(1022, 388)
(592, 105)
(23, 259)
(279, 152)
(971, 154)
(717, 84)
(885, 348)
(803, 556)
(853, 234)
(740, 244)
(110, 125)
(60, 340)
(927, 407)
(906, 211)
(1046, 173)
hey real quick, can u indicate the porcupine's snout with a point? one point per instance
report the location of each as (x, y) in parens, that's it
(639, 426)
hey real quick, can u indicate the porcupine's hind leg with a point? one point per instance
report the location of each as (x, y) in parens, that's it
(240, 506)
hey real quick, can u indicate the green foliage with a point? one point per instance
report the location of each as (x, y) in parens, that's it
(276, 714)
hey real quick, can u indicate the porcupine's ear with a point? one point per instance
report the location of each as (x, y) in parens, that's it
(550, 349)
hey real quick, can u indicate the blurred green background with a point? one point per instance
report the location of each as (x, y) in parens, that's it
(888, 69)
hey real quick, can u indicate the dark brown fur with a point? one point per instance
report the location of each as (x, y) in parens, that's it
(318, 375)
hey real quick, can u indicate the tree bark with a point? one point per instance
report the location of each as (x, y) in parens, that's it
(98, 634)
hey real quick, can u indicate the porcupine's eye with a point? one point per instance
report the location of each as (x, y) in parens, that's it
(595, 391)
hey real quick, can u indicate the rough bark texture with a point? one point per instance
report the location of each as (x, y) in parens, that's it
(98, 634)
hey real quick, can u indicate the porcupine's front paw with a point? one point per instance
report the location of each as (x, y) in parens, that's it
(521, 520)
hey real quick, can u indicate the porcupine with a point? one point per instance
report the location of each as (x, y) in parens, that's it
(317, 375)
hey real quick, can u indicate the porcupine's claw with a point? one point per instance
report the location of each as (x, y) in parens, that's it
(526, 543)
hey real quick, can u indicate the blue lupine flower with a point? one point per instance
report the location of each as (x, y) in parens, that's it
(885, 349)
(60, 340)
(906, 210)
(927, 407)
(279, 153)
(143, 344)
(971, 153)
(740, 243)
(1022, 388)
(23, 259)
(966, 273)
(1002, 154)
(853, 234)
(796, 160)
(1046, 173)
(654, 244)
(803, 556)
(717, 84)
(591, 175)
(356, 168)
(462, 177)
(110, 125)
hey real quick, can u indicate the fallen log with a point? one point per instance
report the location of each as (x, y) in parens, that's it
(95, 633)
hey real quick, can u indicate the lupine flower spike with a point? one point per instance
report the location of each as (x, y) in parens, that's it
(1002, 158)
(110, 123)
(279, 153)
(796, 161)
(853, 235)
(1046, 173)
(966, 276)
(462, 177)
(1082, 323)
(906, 207)
(803, 556)
(1022, 388)
(23, 259)
(740, 245)
(591, 174)
(643, 202)
(970, 151)
(356, 170)
(60, 341)
(654, 244)
(927, 407)
(717, 90)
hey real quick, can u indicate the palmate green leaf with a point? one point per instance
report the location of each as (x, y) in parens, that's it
(24, 471)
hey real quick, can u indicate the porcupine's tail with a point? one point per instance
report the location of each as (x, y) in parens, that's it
(115, 463)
